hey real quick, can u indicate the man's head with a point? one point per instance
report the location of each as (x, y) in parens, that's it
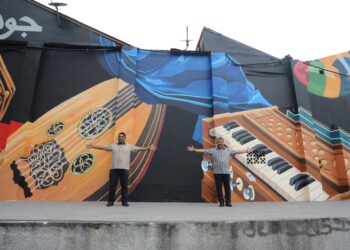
(121, 138)
(219, 142)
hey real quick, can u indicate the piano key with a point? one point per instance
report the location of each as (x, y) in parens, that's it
(248, 144)
(215, 131)
(246, 139)
(230, 143)
(262, 148)
(230, 125)
(297, 177)
(221, 131)
(271, 156)
(279, 164)
(280, 181)
(234, 130)
(272, 177)
(306, 193)
(236, 135)
(313, 194)
(244, 136)
(292, 193)
(303, 182)
(322, 197)
(277, 181)
(282, 169)
(274, 160)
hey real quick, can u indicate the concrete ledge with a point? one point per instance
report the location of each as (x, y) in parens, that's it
(293, 234)
(63, 227)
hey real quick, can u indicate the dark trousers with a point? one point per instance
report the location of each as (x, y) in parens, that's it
(114, 176)
(219, 180)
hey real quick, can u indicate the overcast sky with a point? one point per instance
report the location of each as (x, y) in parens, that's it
(305, 29)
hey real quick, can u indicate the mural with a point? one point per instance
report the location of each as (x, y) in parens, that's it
(201, 83)
(11, 26)
(326, 77)
(7, 91)
(7, 88)
(88, 87)
(295, 158)
(48, 158)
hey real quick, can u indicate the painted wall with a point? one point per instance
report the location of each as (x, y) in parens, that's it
(65, 85)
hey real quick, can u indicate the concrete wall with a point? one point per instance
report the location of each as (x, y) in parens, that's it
(292, 234)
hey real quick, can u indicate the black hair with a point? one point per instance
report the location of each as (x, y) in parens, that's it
(122, 133)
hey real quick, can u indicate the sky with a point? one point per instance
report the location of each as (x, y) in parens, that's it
(304, 29)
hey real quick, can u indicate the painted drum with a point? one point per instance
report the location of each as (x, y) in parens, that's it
(206, 165)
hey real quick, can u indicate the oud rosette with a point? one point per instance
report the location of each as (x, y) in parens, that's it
(45, 166)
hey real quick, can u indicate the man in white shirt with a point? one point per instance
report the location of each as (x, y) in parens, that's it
(120, 166)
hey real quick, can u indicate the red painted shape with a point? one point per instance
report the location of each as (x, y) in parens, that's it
(301, 72)
(6, 130)
(14, 126)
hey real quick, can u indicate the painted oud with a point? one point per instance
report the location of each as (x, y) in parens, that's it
(48, 159)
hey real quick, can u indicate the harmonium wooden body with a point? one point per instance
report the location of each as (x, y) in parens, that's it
(290, 162)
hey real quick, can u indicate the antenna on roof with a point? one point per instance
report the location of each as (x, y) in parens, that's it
(56, 5)
(187, 40)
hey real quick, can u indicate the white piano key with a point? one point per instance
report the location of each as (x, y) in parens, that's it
(270, 156)
(322, 197)
(305, 193)
(220, 132)
(310, 192)
(283, 180)
(292, 193)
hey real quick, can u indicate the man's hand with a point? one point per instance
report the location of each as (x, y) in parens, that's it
(190, 148)
(153, 148)
(249, 149)
(89, 145)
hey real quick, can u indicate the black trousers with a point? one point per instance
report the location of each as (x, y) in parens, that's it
(219, 180)
(114, 176)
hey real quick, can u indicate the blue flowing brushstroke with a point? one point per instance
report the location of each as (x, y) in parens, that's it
(202, 83)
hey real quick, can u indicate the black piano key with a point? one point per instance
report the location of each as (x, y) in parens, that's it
(240, 135)
(262, 148)
(283, 169)
(267, 151)
(278, 165)
(274, 160)
(230, 125)
(276, 168)
(246, 139)
(296, 178)
(258, 147)
(303, 182)
(234, 134)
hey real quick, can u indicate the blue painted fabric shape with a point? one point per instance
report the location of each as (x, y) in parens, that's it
(202, 83)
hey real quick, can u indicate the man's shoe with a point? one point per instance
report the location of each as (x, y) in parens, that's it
(109, 204)
(221, 205)
(228, 205)
(125, 204)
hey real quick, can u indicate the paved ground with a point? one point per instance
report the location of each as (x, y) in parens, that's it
(22, 211)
